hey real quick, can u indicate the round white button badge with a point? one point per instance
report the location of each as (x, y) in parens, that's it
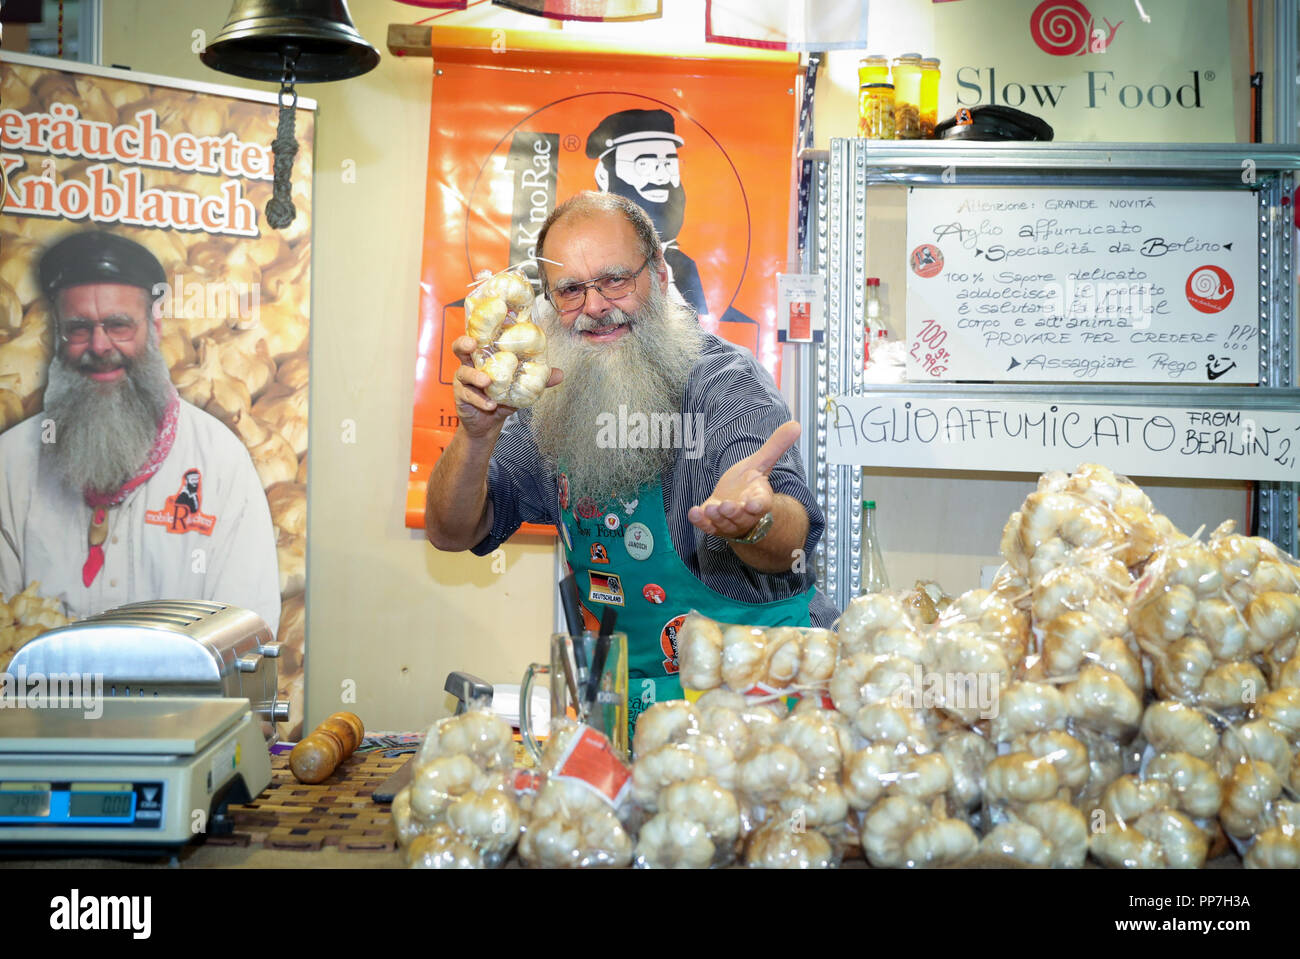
(639, 541)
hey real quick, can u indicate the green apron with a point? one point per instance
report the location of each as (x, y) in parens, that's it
(622, 556)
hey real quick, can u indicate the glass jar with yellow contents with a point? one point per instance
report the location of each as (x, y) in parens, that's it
(876, 111)
(907, 97)
(929, 96)
(873, 68)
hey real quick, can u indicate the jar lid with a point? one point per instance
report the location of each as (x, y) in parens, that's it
(870, 86)
(874, 58)
(909, 56)
(930, 61)
(873, 281)
(868, 504)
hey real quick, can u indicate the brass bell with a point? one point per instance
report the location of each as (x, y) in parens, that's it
(316, 36)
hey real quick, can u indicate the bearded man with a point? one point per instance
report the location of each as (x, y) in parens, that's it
(724, 524)
(119, 491)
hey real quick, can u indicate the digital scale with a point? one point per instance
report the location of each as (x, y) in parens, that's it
(147, 772)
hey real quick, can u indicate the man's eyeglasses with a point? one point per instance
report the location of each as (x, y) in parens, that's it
(573, 296)
(79, 332)
(651, 165)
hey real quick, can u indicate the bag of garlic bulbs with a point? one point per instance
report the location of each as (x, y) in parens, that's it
(1215, 618)
(575, 820)
(1258, 763)
(765, 663)
(460, 810)
(684, 780)
(511, 347)
(792, 792)
(1088, 509)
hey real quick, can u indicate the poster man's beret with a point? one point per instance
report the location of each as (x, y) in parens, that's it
(97, 257)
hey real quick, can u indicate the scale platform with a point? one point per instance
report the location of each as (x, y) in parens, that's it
(147, 772)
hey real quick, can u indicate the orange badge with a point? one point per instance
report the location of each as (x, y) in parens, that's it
(668, 642)
(183, 513)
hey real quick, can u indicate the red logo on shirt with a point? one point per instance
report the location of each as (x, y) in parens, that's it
(182, 512)
(668, 643)
(586, 508)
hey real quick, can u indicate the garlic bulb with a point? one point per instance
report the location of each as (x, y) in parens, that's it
(292, 633)
(246, 357)
(485, 321)
(288, 502)
(27, 356)
(285, 327)
(176, 347)
(501, 368)
(286, 412)
(11, 404)
(291, 556)
(293, 371)
(528, 384)
(272, 455)
(11, 312)
(209, 386)
(522, 339)
(16, 271)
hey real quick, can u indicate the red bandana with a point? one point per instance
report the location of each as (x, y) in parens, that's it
(101, 503)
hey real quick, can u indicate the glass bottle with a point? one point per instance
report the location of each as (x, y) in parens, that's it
(873, 317)
(907, 97)
(874, 577)
(929, 96)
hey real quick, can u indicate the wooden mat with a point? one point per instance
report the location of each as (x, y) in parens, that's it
(338, 812)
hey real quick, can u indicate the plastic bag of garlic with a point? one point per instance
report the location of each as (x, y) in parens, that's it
(578, 818)
(511, 347)
(761, 663)
(461, 810)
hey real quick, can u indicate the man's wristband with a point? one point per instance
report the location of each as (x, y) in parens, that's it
(761, 529)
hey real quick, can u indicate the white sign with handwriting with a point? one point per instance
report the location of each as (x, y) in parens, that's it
(984, 434)
(1082, 285)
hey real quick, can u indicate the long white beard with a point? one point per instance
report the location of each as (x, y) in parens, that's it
(645, 371)
(103, 431)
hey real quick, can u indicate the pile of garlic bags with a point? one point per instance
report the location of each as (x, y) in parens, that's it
(1123, 692)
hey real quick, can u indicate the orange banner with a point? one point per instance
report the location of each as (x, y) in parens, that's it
(519, 124)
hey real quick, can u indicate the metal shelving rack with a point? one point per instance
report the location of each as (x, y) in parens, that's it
(837, 248)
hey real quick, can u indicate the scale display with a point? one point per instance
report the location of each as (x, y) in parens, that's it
(81, 804)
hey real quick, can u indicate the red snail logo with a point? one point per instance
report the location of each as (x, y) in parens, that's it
(1065, 27)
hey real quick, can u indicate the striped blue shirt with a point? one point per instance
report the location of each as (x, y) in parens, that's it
(740, 407)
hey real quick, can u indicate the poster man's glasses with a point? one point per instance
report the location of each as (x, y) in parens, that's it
(78, 332)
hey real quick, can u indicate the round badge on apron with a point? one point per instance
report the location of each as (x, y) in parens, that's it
(639, 541)
(611, 521)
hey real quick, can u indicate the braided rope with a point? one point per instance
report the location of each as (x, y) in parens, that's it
(280, 210)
